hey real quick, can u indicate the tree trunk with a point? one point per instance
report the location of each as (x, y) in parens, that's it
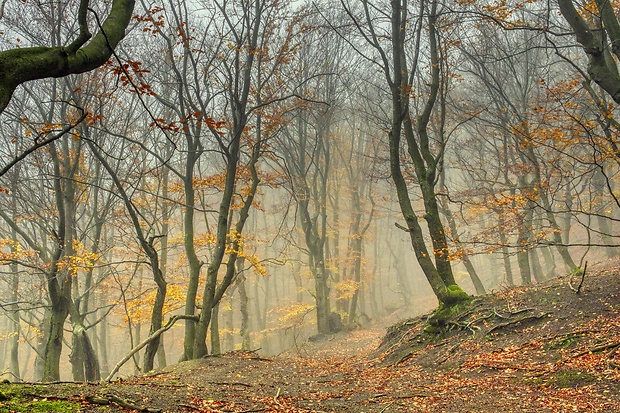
(192, 259)
(243, 303)
(157, 315)
(537, 270)
(469, 266)
(53, 347)
(549, 262)
(214, 329)
(14, 325)
(505, 253)
(438, 273)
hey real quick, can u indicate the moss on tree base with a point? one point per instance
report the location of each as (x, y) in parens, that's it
(454, 302)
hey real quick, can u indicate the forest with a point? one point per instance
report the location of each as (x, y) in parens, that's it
(182, 179)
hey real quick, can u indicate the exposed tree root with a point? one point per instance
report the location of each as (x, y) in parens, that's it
(127, 404)
(598, 349)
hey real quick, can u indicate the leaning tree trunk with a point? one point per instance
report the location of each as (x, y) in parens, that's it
(425, 163)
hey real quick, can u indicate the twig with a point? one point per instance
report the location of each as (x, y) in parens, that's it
(47, 396)
(190, 407)
(521, 311)
(414, 395)
(42, 143)
(386, 407)
(275, 398)
(234, 383)
(576, 333)
(401, 227)
(447, 354)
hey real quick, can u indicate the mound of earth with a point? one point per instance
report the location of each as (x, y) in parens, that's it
(542, 348)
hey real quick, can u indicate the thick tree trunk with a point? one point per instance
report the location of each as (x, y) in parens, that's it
(322, 298)
(602, 66)
(53, 347)
(20, 65)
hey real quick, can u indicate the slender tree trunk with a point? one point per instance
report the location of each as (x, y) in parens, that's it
(102, 335)
(537, 271)
(469, 266)
(523, 246)
(438, 273)
(567, 216)
(549, 262)
(505, 252)
(192, 259)
(214, 329)
(157, 315)
(243, 304)
(165, 228)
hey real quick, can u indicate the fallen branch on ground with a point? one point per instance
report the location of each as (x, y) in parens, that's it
(275, 398)
(150, 338)
(127, 404)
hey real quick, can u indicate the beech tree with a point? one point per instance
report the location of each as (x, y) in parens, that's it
(405, 32)
(78, 55)
(599, 35)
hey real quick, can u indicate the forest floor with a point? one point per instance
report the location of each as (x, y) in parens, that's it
(542, 348)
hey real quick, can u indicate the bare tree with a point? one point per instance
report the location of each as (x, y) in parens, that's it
(423, 151)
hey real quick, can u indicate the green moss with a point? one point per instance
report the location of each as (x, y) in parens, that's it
(564, 379)
(458, 301)
(563, 344)
(455, 295)
(19, 398)
(571, 378)
(40, 406)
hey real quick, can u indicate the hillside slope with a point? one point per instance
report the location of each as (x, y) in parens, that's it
(542, 348)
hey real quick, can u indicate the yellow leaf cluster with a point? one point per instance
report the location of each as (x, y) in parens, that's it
(346, 289)
(11, 250)
(293, 313)
(139, 308)
(82, 259)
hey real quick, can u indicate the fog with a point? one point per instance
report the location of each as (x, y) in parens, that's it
(259, 175)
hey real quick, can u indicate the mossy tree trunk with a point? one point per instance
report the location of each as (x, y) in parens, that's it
(425, 158)
(599, 43)
(83, 54)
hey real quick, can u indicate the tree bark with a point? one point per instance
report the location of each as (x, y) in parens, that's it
(20, 65)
